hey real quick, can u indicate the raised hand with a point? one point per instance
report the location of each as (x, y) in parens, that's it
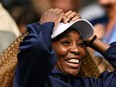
(71, 16)
(52, 15)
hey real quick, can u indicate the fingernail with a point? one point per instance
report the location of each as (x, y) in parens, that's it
(71, 21)
(64, 18)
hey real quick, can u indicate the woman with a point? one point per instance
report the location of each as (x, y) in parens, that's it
(49, 59)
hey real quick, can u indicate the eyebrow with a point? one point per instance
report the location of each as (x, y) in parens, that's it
(68, 35)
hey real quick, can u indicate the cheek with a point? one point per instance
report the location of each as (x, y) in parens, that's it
(83, 52)
(61, 51)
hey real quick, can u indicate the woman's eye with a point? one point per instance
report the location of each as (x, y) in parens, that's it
(81, 44)
(65, 42)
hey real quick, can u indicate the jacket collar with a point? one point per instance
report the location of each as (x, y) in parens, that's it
(58, 74)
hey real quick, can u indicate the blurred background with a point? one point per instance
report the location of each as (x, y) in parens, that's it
(28, 11)
(18, 8)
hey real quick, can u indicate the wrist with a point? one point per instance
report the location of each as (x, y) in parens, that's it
(90, 40)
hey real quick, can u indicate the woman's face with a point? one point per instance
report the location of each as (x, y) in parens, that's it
(70, 51)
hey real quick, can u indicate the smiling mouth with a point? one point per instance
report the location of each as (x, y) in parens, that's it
(74, 63)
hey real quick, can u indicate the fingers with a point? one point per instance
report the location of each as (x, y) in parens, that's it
(76, 17)
(56, 11)
(71, 16)
(68, 13)
(52, 15)
(60, 15)
(57, 15)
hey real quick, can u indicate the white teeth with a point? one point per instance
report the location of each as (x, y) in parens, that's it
(73, 60)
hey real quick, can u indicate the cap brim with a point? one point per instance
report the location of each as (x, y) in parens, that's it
(84, 27)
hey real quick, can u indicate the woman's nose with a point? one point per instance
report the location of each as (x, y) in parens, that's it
(75, 50)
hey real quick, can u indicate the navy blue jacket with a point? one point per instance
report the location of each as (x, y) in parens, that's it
(36, 61)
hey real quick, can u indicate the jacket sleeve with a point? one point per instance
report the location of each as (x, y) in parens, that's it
(36, 57)
(108, 79)
(110, 54)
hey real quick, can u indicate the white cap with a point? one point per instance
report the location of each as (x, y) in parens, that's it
(84, 27)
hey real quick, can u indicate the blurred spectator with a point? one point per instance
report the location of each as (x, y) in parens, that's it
(28, 15)
(23, 13)
(92, 11)
(9, 3)
(41, 5)
(8, 29)
(109, 25)
(66, 5)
